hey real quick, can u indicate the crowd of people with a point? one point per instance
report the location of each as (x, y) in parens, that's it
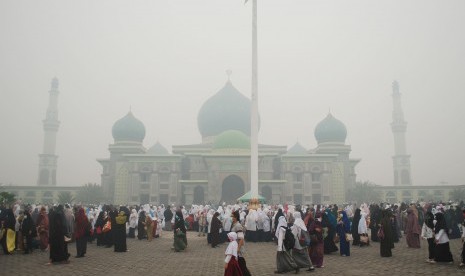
(303, 234)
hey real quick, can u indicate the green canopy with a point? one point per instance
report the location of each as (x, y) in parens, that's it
(247, 197)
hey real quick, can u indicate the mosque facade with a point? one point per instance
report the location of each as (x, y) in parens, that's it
(218, 169)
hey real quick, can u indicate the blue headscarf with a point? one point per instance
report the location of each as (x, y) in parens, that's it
(346, 222)
(331, 218)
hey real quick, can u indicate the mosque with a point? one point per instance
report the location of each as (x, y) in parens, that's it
(218, 169)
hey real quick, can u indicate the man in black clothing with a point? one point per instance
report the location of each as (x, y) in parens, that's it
(168, 214)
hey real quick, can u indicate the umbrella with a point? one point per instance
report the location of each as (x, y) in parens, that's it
(247, 197)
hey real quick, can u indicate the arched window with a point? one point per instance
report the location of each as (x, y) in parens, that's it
(233, 187)
(406, 196)
(185, 168)
(277, 168)
(391, 197)
(297, 174)
(199, 195)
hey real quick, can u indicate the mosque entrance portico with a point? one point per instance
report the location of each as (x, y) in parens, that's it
(232, 188)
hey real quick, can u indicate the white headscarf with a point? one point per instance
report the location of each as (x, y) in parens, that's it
(232, 246)
(281, 222)
(299, 222)
(362, 225)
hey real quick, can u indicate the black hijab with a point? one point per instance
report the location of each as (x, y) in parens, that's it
(440, 223)
(179, 222)
(429, 217)
(278, 214)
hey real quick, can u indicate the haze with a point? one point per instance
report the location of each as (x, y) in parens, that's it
(164, 59)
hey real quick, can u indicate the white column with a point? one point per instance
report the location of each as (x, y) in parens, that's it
(254, 110)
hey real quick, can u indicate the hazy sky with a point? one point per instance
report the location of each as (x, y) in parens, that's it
(166, 58)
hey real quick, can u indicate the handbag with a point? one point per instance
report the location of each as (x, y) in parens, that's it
(349, 237)
(364, 239)
(336, 239)
(380, 233)
(304, 238)
(107, 227)
(99, 230)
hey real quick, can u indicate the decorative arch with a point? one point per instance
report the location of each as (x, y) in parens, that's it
(391, 197)
(233, 187)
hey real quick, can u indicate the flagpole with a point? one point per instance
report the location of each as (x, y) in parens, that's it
(254, 110)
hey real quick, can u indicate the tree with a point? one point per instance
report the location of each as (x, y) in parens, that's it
(7, 198)
(65, 197)
(90, 193)
(364, 192)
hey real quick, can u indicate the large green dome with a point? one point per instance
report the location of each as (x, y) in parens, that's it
(330, 129)
(227, 109)
(232, 139)
(128, 128)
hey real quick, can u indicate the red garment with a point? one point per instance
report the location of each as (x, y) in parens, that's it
(233, 268)
(412, 230)
(82, 224)
(42, 229)
(190, 220)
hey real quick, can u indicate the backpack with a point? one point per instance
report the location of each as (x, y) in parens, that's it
(289, 239)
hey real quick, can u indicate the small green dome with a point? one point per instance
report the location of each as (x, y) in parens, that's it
(128, 128)
(330, 129)
(227, 109)
(232, 139)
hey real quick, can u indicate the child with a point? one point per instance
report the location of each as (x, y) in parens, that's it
(231, 266)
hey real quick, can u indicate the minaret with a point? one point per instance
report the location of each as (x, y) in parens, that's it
(401, 160)
(48, 159)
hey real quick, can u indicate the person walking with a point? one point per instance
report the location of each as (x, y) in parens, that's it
(384, 234)
(441, 235)
(284, 260)
(302, 239)
(427, 234)
(82, 226)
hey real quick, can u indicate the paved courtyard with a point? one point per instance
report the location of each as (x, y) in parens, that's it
(157, 258)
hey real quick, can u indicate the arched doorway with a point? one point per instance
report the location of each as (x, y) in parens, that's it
(267, 194)
(199, 195)
(232, 189)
